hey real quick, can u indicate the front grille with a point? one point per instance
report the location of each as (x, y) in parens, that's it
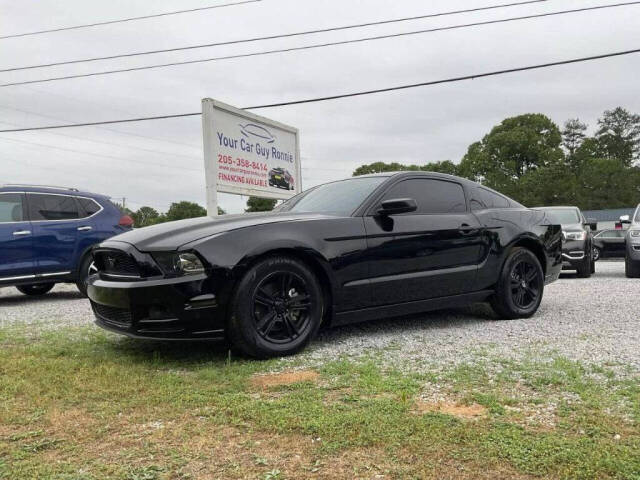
(118, 317)
(115, 262)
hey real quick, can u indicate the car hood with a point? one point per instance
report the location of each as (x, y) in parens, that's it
(172, 235)
(573, 227)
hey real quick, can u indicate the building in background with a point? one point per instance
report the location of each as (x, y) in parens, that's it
(607, 219)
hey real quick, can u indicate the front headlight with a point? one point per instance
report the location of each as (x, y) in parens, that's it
(575, 235)
(179, 263)
(635, 233)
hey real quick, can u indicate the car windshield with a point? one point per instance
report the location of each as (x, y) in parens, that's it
(563, 216)
(637, 219)
(342, 197)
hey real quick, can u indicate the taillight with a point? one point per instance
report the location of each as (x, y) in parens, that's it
(126, 221)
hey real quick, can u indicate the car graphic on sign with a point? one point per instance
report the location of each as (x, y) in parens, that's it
(281, 178)
(251, 129)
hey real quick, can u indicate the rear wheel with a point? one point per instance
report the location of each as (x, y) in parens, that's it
(631, 268)
(277, 308)
(520, 286)
(36, 289)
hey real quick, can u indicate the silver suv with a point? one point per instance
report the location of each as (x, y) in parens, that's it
(632, 240)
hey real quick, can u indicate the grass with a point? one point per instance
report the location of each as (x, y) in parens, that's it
(85, 404)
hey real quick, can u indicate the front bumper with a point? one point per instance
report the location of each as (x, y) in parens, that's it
(165, 309)
(573, 254)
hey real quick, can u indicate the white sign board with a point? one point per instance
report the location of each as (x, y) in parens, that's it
(248, 154)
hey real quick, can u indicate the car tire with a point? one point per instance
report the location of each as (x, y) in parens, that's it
(276, 310)
(514, 298)
(86, 269)
(35, 289)
(597, 254)
(593, 267)
(631, 268)
(584, 269)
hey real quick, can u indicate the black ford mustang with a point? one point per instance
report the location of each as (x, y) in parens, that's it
(364, 248)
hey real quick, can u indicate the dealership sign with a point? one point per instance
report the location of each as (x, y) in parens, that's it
(247, 154)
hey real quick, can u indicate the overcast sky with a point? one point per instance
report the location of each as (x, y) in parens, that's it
(155, 163)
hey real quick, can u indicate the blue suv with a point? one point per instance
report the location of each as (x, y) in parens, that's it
(46, 235)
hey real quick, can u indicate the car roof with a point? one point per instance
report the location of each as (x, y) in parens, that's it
(49, 189)
(408, 173)
(555, 207)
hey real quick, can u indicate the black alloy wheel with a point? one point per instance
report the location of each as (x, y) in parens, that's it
(525, 284)
(35, 289)
(277, 308)
(281, 307)
(520, 286)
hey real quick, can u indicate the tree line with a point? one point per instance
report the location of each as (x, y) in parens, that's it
(534, 161)
(527, 157)
(146, 216)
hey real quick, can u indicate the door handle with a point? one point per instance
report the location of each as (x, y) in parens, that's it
(84, 229)
(20, 233)
(466, 229)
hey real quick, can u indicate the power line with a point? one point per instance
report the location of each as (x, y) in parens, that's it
(314, 46)
(273, 37)
(100, 155)
(130, 19)
(348, 95)
(130, 134)
(113, 144)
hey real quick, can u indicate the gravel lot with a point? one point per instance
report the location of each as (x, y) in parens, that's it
(595, 320)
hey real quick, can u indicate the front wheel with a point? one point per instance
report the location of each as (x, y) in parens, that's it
(36, 289)
(277, 308)
(520, 286)
(596, 254)
(87, 268)
(584, 269)
(631, 268)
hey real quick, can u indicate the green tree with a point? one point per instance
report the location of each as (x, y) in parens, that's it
(379, 167)
(512, 149)
(555, 184)
(257, 204)
(145, 216)
(184, 209)
(607, 183)
(618, 135)
(446, 166)
(573, 135)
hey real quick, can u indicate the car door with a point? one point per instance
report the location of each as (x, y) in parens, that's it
(605, 244)
(617, 247)
(90, 230)
(54, 219)
(16, 247)
(429, 253)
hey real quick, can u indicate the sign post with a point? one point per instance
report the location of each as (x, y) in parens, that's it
(247, 154)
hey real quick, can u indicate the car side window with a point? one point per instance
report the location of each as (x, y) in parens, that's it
(493, 200)
(432, 196)
(611, 234)
(88, 207)
(11, 209)
(52, 207)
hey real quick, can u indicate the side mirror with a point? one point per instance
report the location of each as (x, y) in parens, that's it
(592, 223)
(625, 219)
(397, 206)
